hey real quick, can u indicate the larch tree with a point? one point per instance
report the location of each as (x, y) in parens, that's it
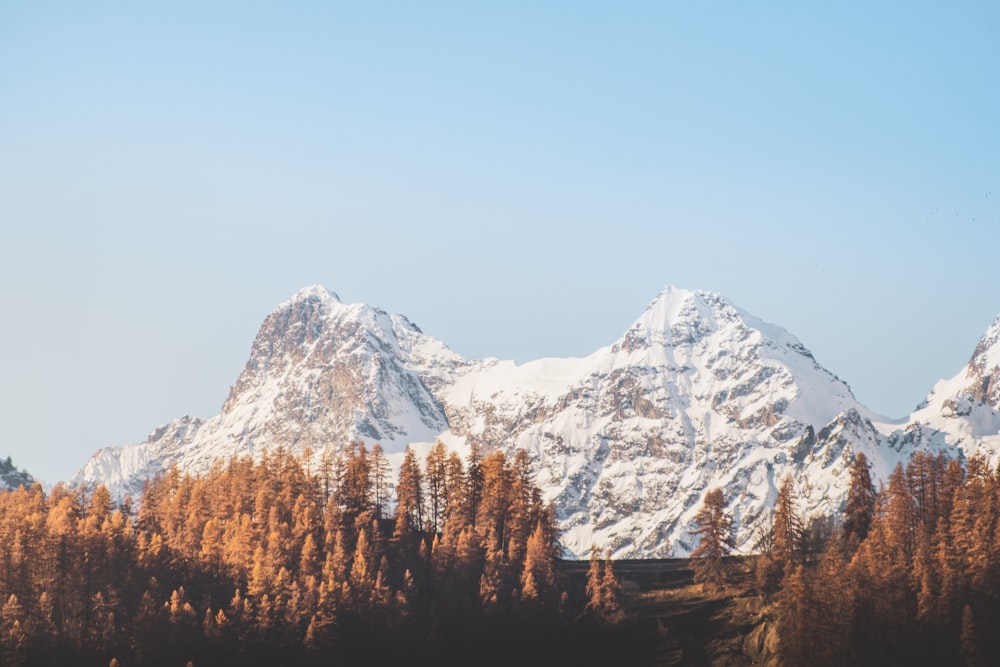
(456, 491)
(301, 572)
(969, 639)
(473, 482)
(381, 484)
(409, 495)
(786, 549)
(12, 634)
(860, 510)
(436, 469)
(538, 574)
(356, 486)
(716, 540)
(495, 503)
(900, 516)
(603, 589)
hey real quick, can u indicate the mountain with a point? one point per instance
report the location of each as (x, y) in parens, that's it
(321, 373)
(960, 416)
(697, 393)
(11, 477)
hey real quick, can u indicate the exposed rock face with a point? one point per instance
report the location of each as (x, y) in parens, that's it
(320, 374)
(984, 368)
(11, 477)
(960, 416)
(697, 393)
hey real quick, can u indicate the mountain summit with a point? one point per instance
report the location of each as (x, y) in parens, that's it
(962, 413)
(321, 373)
(984, 368)
(696, 394)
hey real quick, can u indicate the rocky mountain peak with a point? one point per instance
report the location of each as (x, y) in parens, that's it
(984, 367)
(678, 317)
(314, 293)
(696, 394)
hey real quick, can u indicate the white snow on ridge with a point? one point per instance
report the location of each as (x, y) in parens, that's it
(697, 393)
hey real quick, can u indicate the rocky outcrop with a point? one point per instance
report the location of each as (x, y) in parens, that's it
(11, 477)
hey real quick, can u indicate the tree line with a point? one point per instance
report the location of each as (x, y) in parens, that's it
(907, 575)
(288, 560)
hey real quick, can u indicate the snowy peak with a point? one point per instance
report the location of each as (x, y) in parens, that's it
(976, 388)
(343, 368)
(696, 394)
(313, 328)
(321, 373)
(677, 317)
(984, 367)
(733, 355)
(314, 293)
(961, 416)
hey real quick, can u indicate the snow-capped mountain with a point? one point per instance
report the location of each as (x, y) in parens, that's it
(697, 393)
(960, 416)
(321, 374)
(11, 477)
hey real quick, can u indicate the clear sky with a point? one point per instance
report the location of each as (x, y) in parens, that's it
(520, 179)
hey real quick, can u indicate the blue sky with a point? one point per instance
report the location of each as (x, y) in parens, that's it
(519, 179)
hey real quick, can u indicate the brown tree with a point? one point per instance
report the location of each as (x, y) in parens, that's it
(860, 509)
(436, 469)
(787, 531)
(603, 589)
(716, 540)
(409, 496)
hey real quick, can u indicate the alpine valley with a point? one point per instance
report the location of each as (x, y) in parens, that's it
(696, 394)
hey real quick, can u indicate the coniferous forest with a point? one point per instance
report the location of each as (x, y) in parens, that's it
(910, 577)
(280, 562)
(302, 561)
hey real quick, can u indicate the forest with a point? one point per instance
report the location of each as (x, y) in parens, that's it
(909, 575)
(274, 562)
(326, 560)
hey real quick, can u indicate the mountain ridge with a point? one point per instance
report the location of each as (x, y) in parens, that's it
(11, 478)
(696, 393)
